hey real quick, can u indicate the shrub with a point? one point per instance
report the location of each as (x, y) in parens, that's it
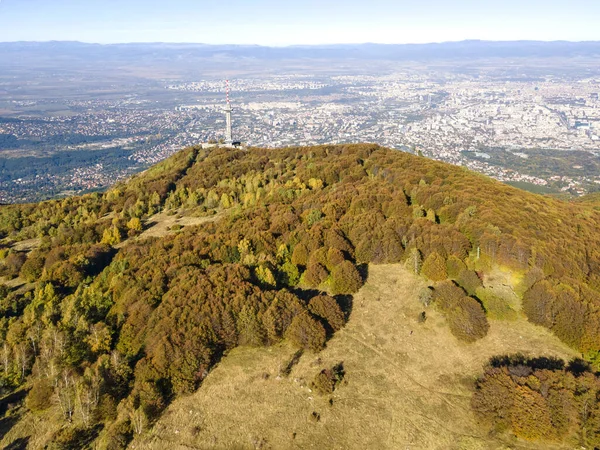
(39, 397)
(328, 379)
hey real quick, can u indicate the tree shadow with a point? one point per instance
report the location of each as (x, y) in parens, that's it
(18, 444)
(363, 270)
(306, 294)
(6, 423)
(8, 403)
(345, 302)
(542, 362)
(11, 400)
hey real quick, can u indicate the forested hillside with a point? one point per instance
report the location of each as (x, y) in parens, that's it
(105, 326)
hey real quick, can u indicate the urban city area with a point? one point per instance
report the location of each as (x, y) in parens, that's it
(538, 129)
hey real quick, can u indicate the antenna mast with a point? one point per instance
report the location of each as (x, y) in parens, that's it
(227, 110)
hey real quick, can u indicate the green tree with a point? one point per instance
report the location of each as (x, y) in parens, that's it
(135, 225)
(111, 236)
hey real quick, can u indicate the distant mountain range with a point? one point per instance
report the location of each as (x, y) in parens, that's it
(473, 49)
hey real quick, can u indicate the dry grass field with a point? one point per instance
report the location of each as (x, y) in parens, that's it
(407, 384)
(163, 224)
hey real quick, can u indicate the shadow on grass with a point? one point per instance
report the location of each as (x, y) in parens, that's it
(19, 444)
(7, 403)
(6, 423)
(11, 400)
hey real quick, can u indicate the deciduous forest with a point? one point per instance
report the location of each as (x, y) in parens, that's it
(111, 326)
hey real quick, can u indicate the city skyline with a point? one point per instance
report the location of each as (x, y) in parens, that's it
(271, 23)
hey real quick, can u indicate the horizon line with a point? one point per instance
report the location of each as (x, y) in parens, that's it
(51, 41)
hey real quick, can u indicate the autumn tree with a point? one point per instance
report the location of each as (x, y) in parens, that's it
(327, 308)
(345, 279)
(306, 332)
(434, 267)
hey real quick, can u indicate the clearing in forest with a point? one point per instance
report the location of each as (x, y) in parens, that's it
(407, 385)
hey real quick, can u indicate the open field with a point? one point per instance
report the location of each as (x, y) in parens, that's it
(161, 224)
(407, 385)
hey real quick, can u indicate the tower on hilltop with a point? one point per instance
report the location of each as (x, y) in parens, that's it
(227, 110)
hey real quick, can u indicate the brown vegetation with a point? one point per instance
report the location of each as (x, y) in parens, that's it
(135, 323)
(540, 399)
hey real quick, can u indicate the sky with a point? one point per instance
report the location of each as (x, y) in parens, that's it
(293, 22)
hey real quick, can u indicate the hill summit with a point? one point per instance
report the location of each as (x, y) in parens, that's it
(118, 308)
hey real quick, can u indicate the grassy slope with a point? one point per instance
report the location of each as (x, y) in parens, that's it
(408, 384)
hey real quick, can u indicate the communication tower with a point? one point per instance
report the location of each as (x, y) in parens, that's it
(227, 110)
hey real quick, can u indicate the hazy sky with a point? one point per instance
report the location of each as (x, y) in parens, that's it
(284, 22)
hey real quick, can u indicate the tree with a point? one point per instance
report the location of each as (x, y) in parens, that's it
(265, 276)
(135, 225)
(414, 261)
(290, 275)
(305, 332)
(345, 279)
(454, 266)
(434, 267)
(466, 318)
(13, 263)
(469, 281)
(31, 270)
(315, 274)
(250, 329)
(328, 309)
(300, 255)
(111, 236)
